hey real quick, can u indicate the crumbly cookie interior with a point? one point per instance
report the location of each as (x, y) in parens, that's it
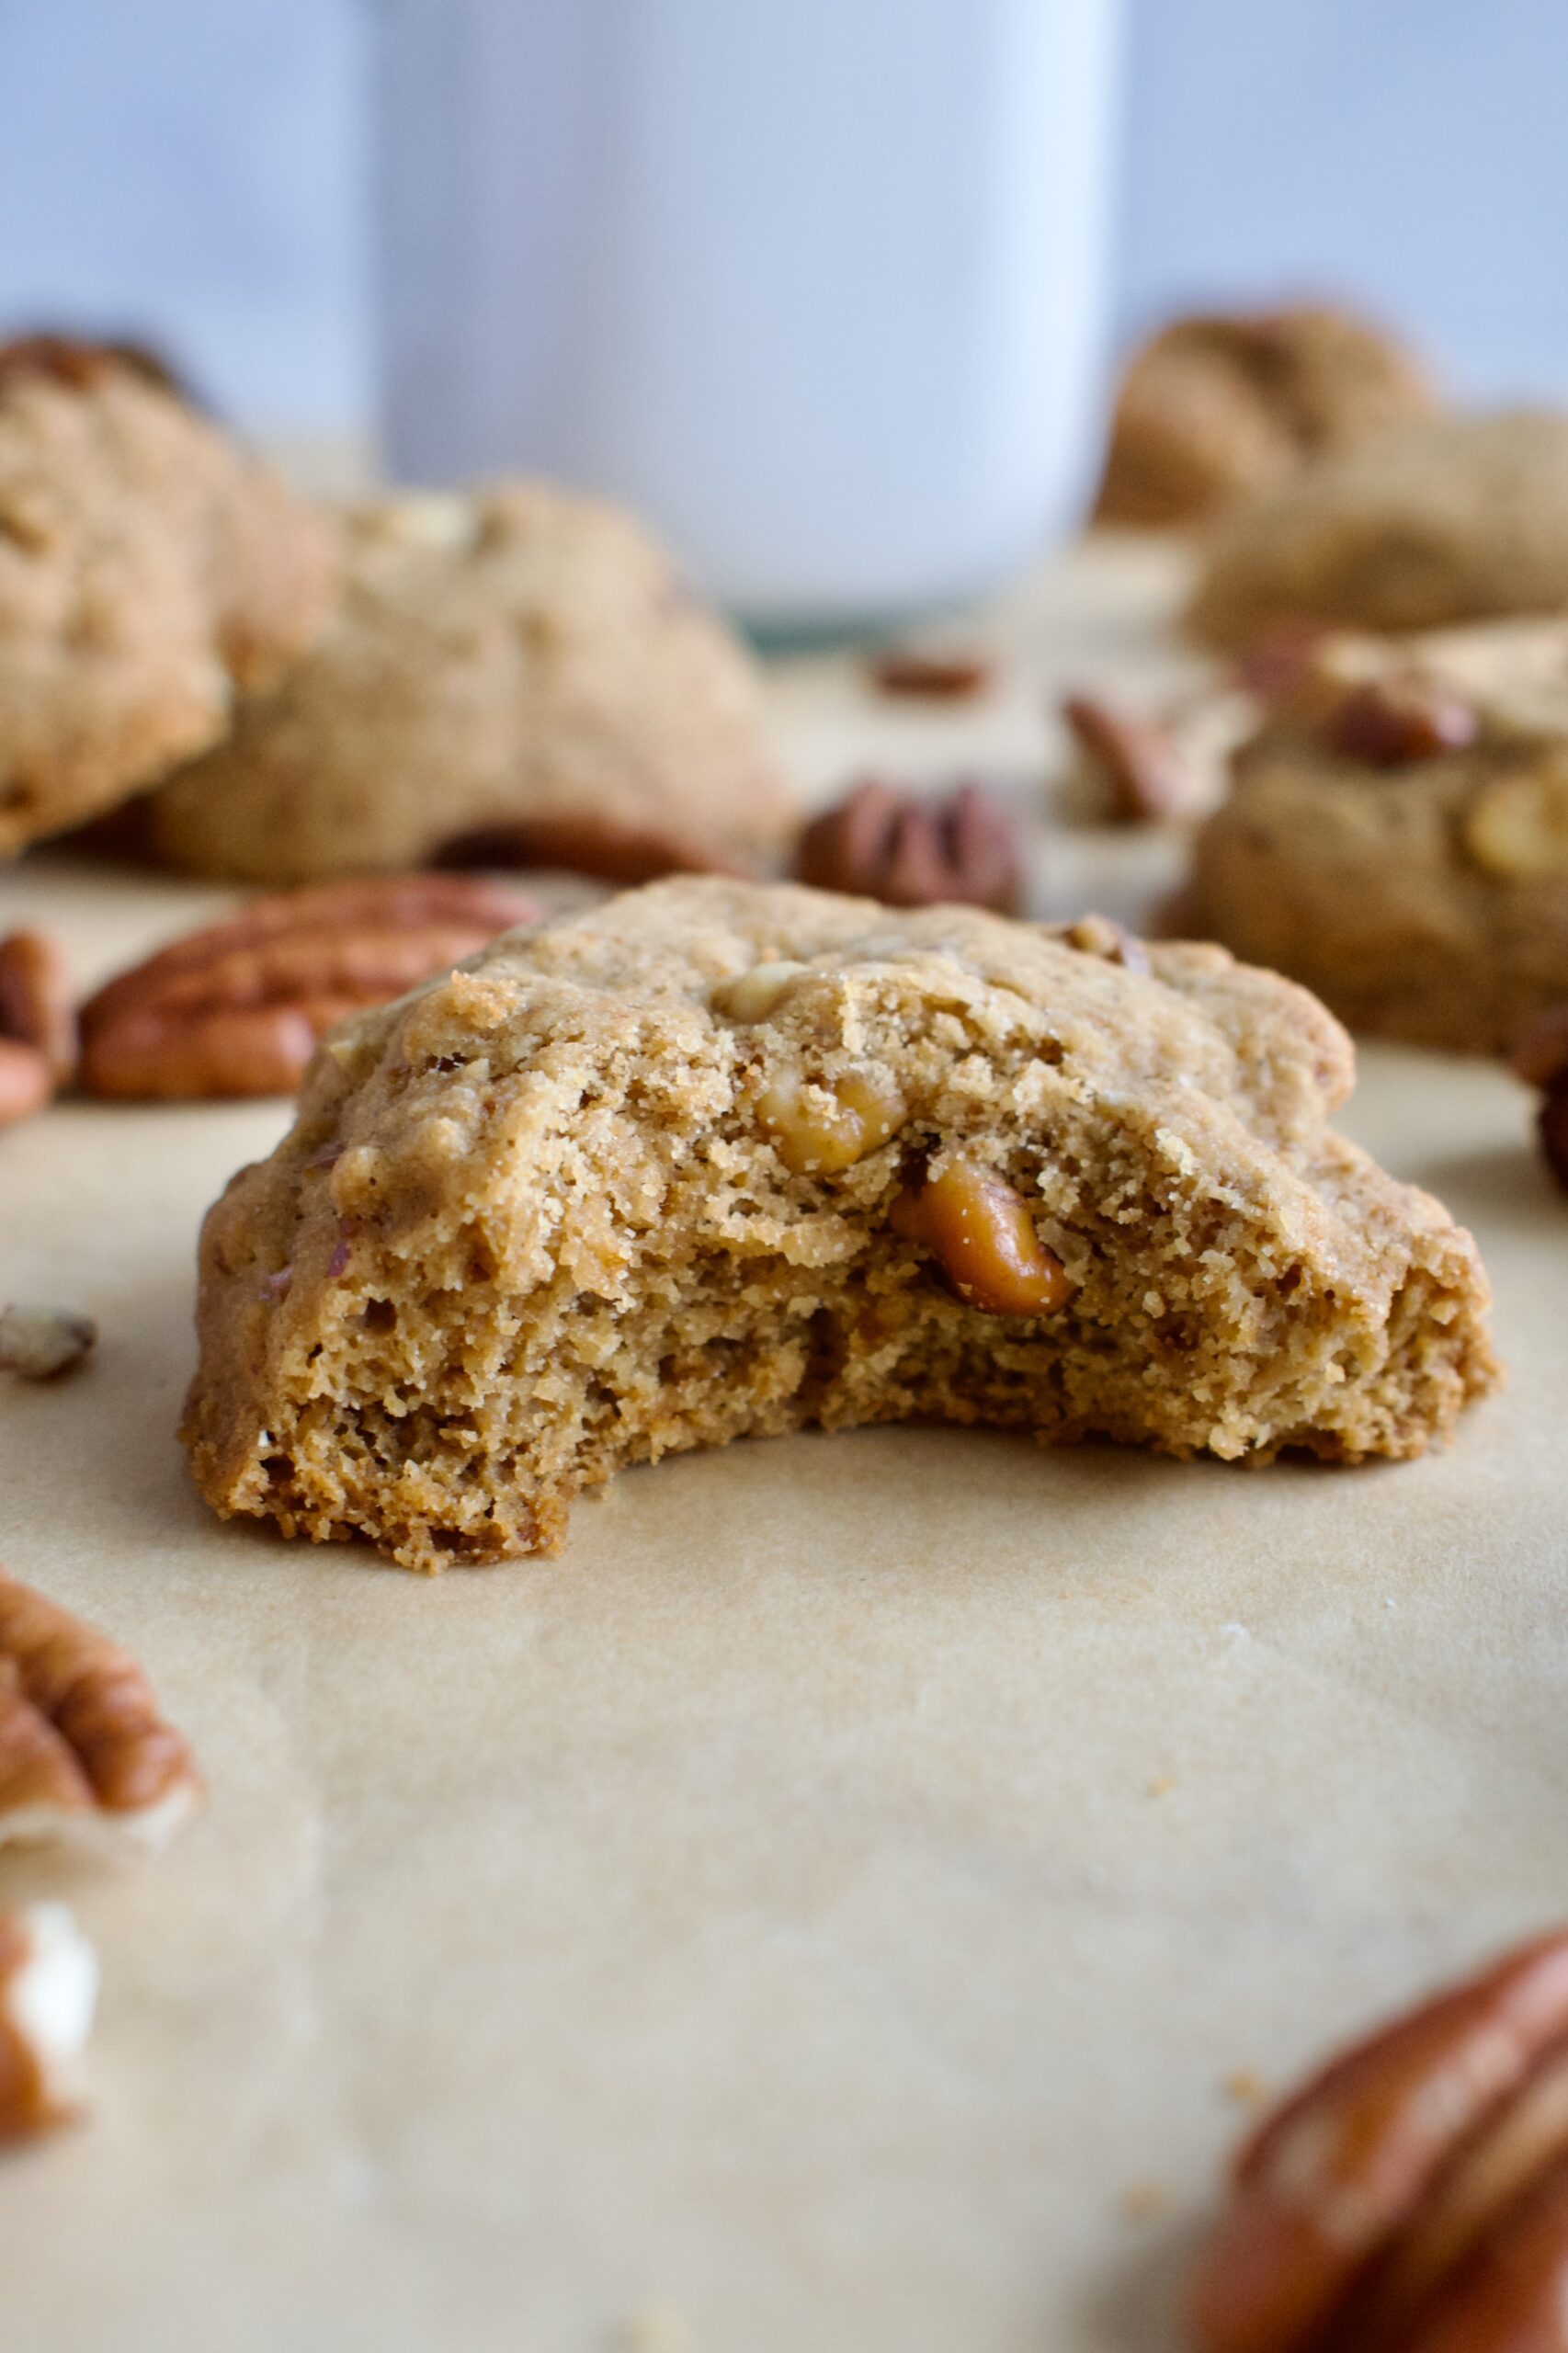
(631, 1183)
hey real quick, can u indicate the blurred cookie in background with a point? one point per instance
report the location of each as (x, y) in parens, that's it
(1214, 409)
(149, 567)
(506, 659)
(1443, 520)
(1396, 835)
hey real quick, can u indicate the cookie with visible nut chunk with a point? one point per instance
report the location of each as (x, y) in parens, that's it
(719, 1158)
(149, 570)
(515, 663)
(1396, 835)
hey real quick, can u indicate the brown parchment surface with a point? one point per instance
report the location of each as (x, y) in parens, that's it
(826, 1907)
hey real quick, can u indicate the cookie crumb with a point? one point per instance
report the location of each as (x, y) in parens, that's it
(1246, 2086)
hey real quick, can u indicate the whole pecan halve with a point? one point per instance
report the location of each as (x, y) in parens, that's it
(237, 1009)
(601, 848)
(83, 1749)
(49, 1983)
(910, 852)
(1134, 765)
(1413, 2194)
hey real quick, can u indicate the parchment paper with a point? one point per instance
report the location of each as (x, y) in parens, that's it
(826, 1908)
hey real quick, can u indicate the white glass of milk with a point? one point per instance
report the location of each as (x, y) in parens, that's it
(818, 285)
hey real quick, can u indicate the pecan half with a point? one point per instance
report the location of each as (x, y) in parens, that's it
(49, 1986)
(909, 852)
(1132, 767)
(1390, 723)
(598, 847)
(84, 1750)
(930, 678)
(237, 1009)
(1413, 2194)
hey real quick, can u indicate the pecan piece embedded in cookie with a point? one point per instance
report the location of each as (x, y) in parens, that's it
(718, 1158)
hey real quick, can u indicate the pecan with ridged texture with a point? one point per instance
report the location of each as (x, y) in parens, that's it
(1413, 2196)
(600, 848)
(911, 851)
(85, 1751)
(237, 1009)
(1133, 766)
(49, 1984)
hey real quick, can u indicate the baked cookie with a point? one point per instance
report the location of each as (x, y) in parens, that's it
(719, 1158)
(518, 655)
(1214, 409)
(1448, 518)
(148, 567)
(1396, 835)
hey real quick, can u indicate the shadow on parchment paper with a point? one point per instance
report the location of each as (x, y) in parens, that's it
(1137, 2309)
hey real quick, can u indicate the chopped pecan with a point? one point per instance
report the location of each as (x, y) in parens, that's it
(1415, 2192)
(237, 1009)
(1111, 941)
(599, 847)
(910, 852)
(1517, 828)
(930, 676)
(978, 1229)
(41, 1343)
(84, 1750)
(49, 1986)
(1134, 767)
(1392, 721)
(38, 1000)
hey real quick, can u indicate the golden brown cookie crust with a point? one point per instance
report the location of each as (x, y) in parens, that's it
(518, 652)
(1214, 408)
(642, 1180)
(148, 568)
(1441, 520)
(1425, 900)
